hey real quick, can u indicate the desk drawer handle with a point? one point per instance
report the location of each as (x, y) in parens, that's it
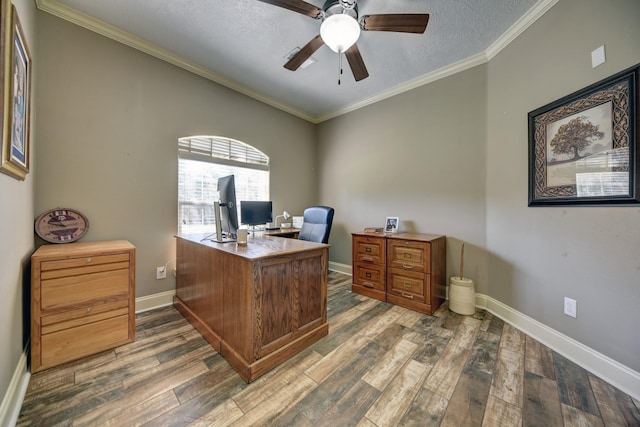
(89, 259)
(406, 295)
(366, 258)
(407, 266)
(89, 310)
(367, 285)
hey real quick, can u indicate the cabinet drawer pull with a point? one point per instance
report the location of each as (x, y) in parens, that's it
(406, 295)
(88, 309)
(367, 249)
(89, 259)
(368, 275)
(367, 285)
(407, 266)
(366, 258)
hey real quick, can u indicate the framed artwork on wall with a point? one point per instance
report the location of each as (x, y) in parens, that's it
(16, 98)
(391, 224)
(583, 148)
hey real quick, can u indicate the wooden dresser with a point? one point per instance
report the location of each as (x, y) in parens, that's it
(407, 269)
(82, 300)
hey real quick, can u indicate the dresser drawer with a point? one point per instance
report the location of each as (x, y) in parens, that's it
(66, 292)
(369, 249)
(74, 343)
(409, 255)
(369, 275)
(408, 284)
(83, 265)
(84, 315)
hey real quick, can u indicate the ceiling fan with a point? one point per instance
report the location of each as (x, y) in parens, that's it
(340, 29)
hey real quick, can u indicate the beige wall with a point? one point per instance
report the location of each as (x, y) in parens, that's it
(419, 156)
(451, 158)
(16, 237)
(110, 118)
(540, 255)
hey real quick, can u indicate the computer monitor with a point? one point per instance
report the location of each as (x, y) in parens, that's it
(256, 212)
(228, 206)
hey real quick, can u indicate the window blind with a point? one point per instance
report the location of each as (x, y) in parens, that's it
(202, 160)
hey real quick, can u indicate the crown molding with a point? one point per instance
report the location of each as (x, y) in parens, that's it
(505, 39)
(431, 77)
(519, 27)
(71, 15)
(85, 21)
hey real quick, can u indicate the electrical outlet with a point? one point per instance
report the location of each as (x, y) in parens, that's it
(570, 307)
(161, 273)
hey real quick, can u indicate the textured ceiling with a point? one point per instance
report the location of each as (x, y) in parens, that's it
(243, 44)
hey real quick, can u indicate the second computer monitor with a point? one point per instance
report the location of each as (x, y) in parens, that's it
(256, 212)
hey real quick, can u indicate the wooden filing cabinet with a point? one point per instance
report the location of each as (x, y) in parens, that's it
(370, 265)
(411, 273)
(82, 300)
(416, 276)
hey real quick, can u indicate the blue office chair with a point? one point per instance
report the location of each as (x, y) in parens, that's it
(316, 224)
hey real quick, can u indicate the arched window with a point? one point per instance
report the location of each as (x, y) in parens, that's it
(204, 159)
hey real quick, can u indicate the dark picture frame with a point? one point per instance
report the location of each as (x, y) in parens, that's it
(16, 98)
(583, 148)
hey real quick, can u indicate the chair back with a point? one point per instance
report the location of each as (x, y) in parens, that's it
(316, 224)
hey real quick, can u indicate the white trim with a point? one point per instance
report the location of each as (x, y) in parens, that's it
(113, 33)
(151, 302)
(431, 77)
(340, 268)
(13, 398)
(613, 372)
(65, 12)
(518, 28)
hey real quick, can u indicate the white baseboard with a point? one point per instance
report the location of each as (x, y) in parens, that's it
(615, 373)
(13, 398)
(154, 301)
(340, 268)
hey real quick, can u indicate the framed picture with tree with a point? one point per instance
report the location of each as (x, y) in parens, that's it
(583, 148)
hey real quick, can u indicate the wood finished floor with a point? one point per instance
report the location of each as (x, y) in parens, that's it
(380, 365)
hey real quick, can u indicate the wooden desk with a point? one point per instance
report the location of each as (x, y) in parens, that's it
(257, 304)
(291, 233)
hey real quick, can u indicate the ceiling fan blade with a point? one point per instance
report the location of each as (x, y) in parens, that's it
(303, 54)
(400, 23)
(297, 6)
(356, 63)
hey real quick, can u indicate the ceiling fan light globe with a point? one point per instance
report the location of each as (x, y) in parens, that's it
(340, 32)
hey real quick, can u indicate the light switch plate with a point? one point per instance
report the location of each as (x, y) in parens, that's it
(598, 57)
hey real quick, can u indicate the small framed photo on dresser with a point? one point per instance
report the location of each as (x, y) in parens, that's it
(391, 224)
